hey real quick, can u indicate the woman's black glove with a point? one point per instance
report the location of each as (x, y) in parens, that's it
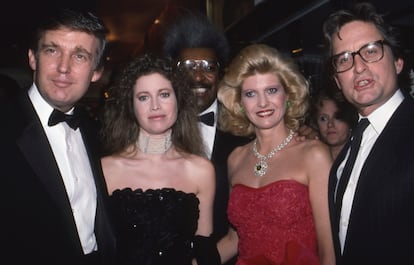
(205, 251)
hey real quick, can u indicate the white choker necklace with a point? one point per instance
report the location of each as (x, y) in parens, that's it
(260, 168)
(154, 145)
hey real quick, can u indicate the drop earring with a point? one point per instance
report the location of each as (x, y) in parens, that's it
(287, 104)
(242, 110)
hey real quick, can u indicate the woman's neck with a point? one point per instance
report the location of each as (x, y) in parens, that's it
(154, 144)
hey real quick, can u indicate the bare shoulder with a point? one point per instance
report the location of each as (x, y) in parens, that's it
(113, 170)
(201, 172)
(200, 164)
(108, 161)
(314, 150)
(316, 160)
(239, 153)
(238, 158)
(117, 160)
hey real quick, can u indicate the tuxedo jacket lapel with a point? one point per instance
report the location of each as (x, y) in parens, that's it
(381, 211)
(333, 181)
(36, 149)
(35, 189)
(381, 158)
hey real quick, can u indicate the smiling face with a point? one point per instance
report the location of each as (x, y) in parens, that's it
(366, 85)
(204, 83)
(155, 104)
(264, 99)
(64, 66)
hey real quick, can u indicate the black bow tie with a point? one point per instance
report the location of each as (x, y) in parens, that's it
(207, 118)
(57, 116)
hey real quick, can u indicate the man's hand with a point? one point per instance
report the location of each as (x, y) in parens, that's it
(306, 132)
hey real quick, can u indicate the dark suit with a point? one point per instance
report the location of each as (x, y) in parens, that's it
(381, 224)
(37, 223)
(224, 143)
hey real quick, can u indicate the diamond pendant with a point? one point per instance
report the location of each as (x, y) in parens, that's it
(260, 168)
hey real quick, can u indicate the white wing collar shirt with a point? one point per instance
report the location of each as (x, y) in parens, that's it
(378, 119)
(74, 166)
(208, 133)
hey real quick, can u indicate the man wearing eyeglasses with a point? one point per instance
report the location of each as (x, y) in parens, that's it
(202, 50)
(372, 212)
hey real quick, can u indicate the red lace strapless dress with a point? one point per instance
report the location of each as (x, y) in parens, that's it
(274, 223)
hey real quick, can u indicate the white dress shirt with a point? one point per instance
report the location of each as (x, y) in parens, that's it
(73, 162)
(378, 119)
(208, 133)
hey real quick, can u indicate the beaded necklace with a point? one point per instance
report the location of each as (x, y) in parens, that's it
(154, 145)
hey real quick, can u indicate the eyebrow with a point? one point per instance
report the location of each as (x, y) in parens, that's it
(77, 48)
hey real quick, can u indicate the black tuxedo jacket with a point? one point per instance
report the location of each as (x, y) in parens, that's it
(37, 224)
(224, 143)
(381, 224)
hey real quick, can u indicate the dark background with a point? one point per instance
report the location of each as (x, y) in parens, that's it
(293, 25)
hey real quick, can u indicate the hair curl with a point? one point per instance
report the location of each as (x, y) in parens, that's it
(364, 12)
(74, 20)
(120, 128)
(254, 59)
(194, 30)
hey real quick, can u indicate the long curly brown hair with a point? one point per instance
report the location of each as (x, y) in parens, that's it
(120, 128)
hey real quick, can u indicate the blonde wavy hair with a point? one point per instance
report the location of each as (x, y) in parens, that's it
(261, 59)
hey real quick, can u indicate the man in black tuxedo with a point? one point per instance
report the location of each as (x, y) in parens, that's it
(201, 49)
(53, 194)
(372, 207)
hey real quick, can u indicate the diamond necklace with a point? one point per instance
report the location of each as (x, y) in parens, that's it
(260, 168)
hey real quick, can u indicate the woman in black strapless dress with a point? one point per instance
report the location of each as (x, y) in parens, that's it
(161, 185)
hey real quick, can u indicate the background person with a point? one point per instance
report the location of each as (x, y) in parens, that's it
(334, 119)
(202, 50)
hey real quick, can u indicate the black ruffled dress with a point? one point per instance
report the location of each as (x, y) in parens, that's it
(155, 227)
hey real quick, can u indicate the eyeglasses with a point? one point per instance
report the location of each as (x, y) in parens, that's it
(203, 65)
(369, 53)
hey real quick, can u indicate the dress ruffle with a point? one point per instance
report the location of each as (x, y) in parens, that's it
(155, 227)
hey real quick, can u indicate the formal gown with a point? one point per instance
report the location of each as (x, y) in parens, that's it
(155, 227)
(274, 223)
